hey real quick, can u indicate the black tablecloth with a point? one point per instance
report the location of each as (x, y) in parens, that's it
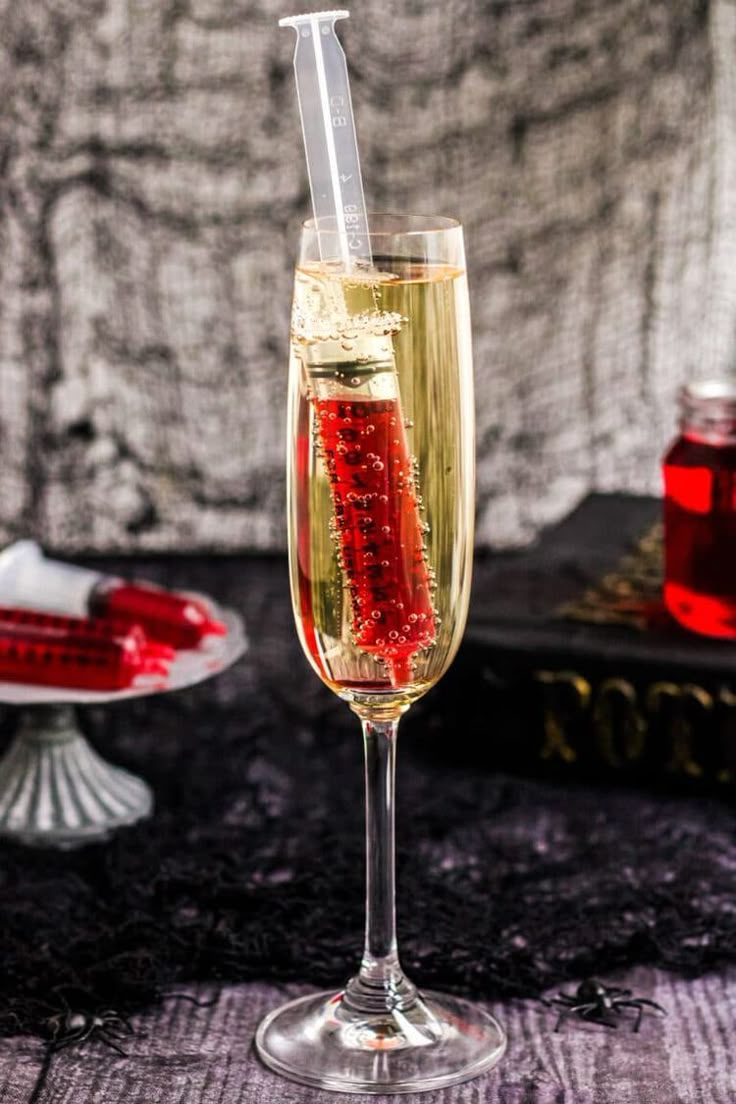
(251, 868)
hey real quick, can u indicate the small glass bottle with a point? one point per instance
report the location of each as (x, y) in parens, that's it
(700, 510)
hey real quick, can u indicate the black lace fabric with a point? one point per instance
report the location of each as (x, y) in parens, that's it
(252, 867)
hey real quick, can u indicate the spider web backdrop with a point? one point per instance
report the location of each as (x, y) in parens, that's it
(252, 867)
(152, 182)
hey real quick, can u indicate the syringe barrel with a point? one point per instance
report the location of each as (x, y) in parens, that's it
(38, 657)
(330, 143)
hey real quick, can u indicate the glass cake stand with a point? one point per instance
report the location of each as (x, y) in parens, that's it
(55, 790)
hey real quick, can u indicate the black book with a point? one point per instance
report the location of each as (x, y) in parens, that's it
(570, 665)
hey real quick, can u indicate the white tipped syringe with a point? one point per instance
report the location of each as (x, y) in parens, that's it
(330, 144)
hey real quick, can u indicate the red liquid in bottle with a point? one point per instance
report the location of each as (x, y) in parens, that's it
(379, 529)
(700, 536)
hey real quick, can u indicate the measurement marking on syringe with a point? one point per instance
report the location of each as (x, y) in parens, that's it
(338, 102)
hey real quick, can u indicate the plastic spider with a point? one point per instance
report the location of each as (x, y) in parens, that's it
(104, 1026)
(595, 1002)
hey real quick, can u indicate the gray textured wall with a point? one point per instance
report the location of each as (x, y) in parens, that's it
(151, 186)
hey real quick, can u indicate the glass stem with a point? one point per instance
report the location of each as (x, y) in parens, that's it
(380, 985)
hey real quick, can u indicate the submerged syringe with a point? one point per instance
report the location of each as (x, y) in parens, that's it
(352, 380)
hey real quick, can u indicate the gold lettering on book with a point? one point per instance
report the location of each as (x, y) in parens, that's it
(566, 697)
(726, 736)
(681, 728)
(618, 723)
(681, 706)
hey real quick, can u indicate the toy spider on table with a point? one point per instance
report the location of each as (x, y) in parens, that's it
(595, 1002)
(104, 1026)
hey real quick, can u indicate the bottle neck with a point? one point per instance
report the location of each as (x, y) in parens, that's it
(708, 412)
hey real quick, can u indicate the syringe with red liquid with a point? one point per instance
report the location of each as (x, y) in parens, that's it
(30, 579)
(175, 619)
(80, 630)
(379, 529)
(35, 656)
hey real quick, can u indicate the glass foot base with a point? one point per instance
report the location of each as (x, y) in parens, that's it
(439, 1040)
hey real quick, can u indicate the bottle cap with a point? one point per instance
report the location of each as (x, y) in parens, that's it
(708, 410)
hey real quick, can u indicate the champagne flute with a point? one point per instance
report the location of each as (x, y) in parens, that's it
(380, 507)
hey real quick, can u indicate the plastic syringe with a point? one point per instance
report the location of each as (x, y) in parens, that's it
(331, 147)
(354, 383)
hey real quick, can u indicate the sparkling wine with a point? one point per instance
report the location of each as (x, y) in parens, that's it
(381, 473)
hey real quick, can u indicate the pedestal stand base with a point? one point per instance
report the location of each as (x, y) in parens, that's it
(56, 791)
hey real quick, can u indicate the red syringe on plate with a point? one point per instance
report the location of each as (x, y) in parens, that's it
(31, 580)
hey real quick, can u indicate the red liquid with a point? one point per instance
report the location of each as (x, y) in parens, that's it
(75, 629)
(378, 529)
(164, 615)
(700, 536)
(38, 657)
